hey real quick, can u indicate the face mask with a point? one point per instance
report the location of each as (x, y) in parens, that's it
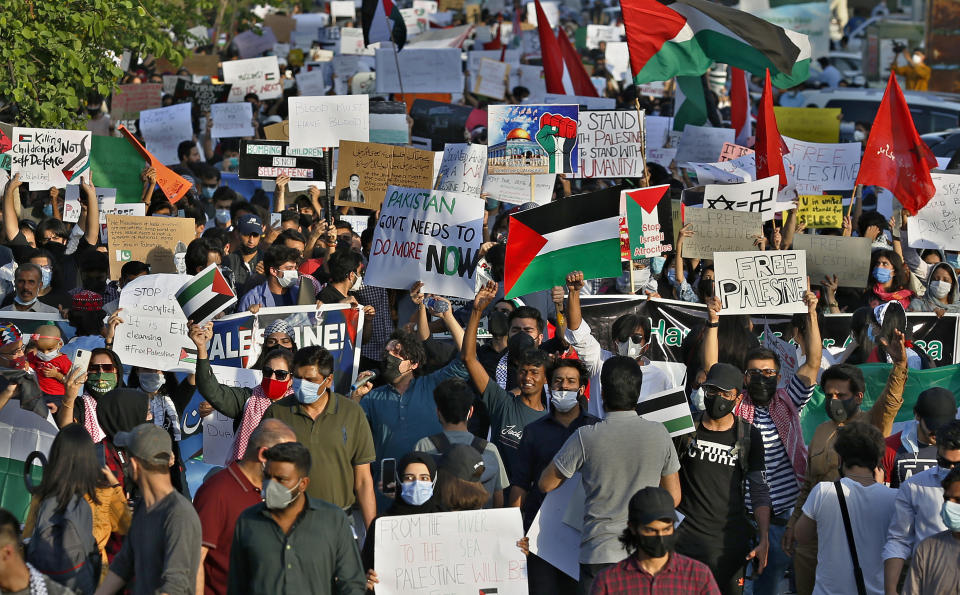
(23, 303)
(48, 210)
(55, 248)
(917, 59)
(416, 493)
(46, 275)
(657, 546)
(222, 216)
(277, 497)
(761, 389)
(233, 163)
(390, 368)
(630, 348)
(358, 284)
(48, 356)
(563, 400)
(950, 513)
(716, 407)
(870, 334)
(672, 276)
(953, 259)
(273, 388)
(940, 289)
(840, 410)
(208, 192)
(100, 383)
(859, 135)
(656, 264)
(306, 392)
(698, 398)
(151, 382)
(882, 275)
(248, 250)
(287, 278)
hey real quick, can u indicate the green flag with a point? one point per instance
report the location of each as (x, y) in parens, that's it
(116, 164)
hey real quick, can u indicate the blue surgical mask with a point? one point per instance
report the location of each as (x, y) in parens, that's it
(46, 275)
(870, 334)
(222, 216)
(953, 259)
(656, 264)
(233, 163)
(950, 513)
(882, 275)
(306, 392)
(151, 381)
(208, 191)
(672, 276)
(416, 493)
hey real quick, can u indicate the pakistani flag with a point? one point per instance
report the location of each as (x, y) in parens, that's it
(649, 221)
(205, 295)
(670, 408)
(685, 37)
(578, 233)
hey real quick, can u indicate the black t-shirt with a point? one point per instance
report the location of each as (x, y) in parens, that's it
(907, 464)
(710, 481)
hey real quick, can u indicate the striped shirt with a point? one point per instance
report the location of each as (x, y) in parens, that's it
(781, 477)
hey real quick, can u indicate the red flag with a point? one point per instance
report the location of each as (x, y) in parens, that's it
(582, 85)
(550, 53)
(496, 44)
(895, 157)
(739, 105)
(769, 145)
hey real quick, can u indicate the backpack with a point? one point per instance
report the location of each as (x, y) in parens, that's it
(741, 447)
(62, 545)
(443, 444)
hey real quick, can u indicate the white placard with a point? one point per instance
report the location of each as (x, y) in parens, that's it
(657, 129)
(473, 551)
(165, 128)
(618, 61)
(342, 9)
(154, 330)
(317, 122)
(661, 155)
(427, 6)
(816, 168)
(552, 539)
(516, 189)
(254, 75)
(937, 224)
(511, 57)
(550, 9)
(426, 70)
(609, 144)
(598, 33)
(702, 144)
(462, 168)
(759, 196)
(71, 204)
(761, 282)
(530, 77)
(351, 42)
(492, 79)
(312, 83)
(49, 158)
(231, 120)
(218, 434)
(357, 222)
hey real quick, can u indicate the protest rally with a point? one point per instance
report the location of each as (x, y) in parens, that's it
(547, 297)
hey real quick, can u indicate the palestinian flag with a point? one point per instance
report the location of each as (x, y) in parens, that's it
(382, 21)
(205, 295)
(578, 233)
(649, 221)
(21, 432)
(689, 103)
(670, 408)
(687, 36)
(188, 356)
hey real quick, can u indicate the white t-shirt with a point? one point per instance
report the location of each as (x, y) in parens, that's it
(871, 509)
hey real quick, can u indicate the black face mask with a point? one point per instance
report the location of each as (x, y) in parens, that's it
(761, 389)
(717, 407)
(244, 249)
(55, 248)
(657, 546)
(390, 368)
(840, 410)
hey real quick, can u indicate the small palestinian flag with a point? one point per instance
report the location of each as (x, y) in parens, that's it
(579, 233)
(188, 356)
(669, 408)
(205, 295)
(649, 221)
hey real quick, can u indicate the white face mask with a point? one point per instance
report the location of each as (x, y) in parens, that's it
(917, 59)
(287, 278)
(357, 284)
(940, 289)
(48, 356)
(859, 135)
(563, 400)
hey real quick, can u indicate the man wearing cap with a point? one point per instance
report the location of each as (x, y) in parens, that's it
(282, 287)
(244, 260)
(162, 549)
(27, 283)
(914, 449)
(652, 566)
(721, 462)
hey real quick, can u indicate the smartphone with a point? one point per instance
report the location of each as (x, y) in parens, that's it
(388, 475)
(81, 360)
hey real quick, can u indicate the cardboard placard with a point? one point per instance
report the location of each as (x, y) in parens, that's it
(173, 185)
(719, 231)
(820, 211)
(281, 25)
(48, 158)
(374, 167)
(253, 75)
(812, 124)
(129, 100)
(265, 160)
(158, 241)
(937, 224)
(532, 139)
(163, 129)
(847, 258)
(492, 77)
(232, 120)
(609, 144)
(278, 131)
(732, 151)
(520, 189)
(462, 168)
(202, 64)
(325, 121)
(202, 94)
(761, 282)
(759, 196)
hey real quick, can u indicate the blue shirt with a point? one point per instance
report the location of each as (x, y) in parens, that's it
(398, 421)
(261, 295)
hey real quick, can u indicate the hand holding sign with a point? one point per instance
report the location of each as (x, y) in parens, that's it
(557, 135)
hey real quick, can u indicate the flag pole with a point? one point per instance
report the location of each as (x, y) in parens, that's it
(643, 145)
(857, 194)
(327, 174)
(396, 60)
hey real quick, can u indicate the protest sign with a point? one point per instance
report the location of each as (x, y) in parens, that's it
(475, 57)
(71, 204)
(325, 121)
(812, 124)
(129, 100)
(158, 241)
(154, 331)
(719, 231)
(312, 83)
(388, 123)
(163, 129)
(424, 70)
(281, 25)
(761, 282)
(937, 224)
(252, 43)
(820, 212)
(648, 220)
(202, 64)
(107, 202)
(609, 144)
(553, 540)
(732, 151)
(466, 552)
(427, 235)
(520, 189)
(170, 82)
(364, 170)
(492, 78)
(438, 122)
(532, 139)
(116, 164)
(351, 42)
(265, 160)
(462, 168)
(202, 94)
(218, 434)
(253, 75)
(759, 196)
(657, 129)
(661, 156)
(173, 185)
(702, 144)
(847, 258)
(358, 223)
(48, 158)
(734, 171)
(814, 168)
(342, 9)
(232, 120)
(278, 131)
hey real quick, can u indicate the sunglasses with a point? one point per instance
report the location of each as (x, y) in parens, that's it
(109, 368)
(278, 374)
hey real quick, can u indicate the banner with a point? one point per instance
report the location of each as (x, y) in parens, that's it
(719, 231)
(427, 235)
(460, 553)
(161, 242)
(759, 196)
(47, 158)
(322, 122)
(202, 94)
(532, 139)
(129, 100)
(609, 144)
(163, 129)
(265, 160)
(812, 124)
(253, 75)
(820, 212)
(847, 258)
(462, 168)
(937, 224)
(365, 170)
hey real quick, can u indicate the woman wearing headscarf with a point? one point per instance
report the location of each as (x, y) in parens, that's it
(120, 410)
(942, 295)
(84, 388)
(889, 280)
(277, 334)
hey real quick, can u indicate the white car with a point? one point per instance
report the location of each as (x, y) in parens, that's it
(931, 111)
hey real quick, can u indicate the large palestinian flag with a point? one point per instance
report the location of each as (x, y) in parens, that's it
(382, 21)
(687, 36)
(578, 233)
(205, 295)
(649, 221)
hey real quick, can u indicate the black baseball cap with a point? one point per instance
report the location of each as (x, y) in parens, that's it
(462, 461)
(651, 504)
(936, 407)
(725, 377)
